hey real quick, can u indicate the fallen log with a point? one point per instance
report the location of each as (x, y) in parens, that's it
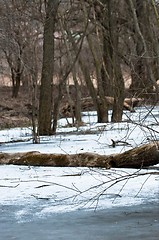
(140, 157)
(88, 105)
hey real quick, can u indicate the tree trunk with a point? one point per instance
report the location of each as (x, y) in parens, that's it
(112, 79)
(45, 104)
(102, 116)
(103, 109)
(107, 67)
(57, 106)
(78, 99)
(16, 78)
(142, 74)
(119, 93)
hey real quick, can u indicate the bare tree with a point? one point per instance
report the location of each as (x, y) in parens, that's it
(20, 26)
(143, 65)
(12, 43)
(45, 101)
(111, 84)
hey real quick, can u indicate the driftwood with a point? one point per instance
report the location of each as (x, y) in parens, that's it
(128, 104)
(88, 105)
(140, 157)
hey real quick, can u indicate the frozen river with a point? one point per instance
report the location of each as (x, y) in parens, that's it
(59, 204)
(121, 223)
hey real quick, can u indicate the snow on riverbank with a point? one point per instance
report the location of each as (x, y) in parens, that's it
(67, 189)
(136, 129)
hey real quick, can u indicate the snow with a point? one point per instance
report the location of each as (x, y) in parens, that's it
(69, 189)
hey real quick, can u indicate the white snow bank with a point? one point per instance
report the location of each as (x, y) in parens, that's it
(67, 189)
(138, 128)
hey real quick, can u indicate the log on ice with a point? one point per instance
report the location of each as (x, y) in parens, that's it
(139, 157)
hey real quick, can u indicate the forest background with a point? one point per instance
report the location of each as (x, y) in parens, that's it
(55, 55)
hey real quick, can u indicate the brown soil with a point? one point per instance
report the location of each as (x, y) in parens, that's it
(14, 112)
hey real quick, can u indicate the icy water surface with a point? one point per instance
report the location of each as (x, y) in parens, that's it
(58, 204)
(121, 223)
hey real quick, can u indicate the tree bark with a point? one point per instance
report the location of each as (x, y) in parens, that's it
(45, 103)
(140, 157)
(16, 79)
(112, 79)
(142, 70)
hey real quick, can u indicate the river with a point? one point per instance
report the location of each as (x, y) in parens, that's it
(129, 222)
